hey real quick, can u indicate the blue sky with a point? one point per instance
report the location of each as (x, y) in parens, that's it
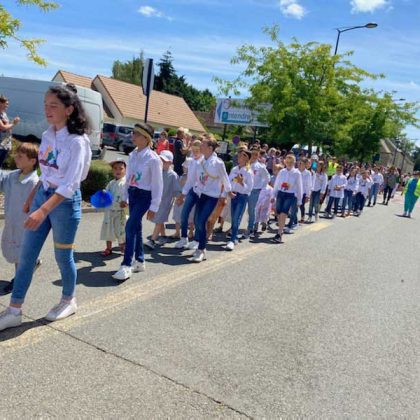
(86, 37)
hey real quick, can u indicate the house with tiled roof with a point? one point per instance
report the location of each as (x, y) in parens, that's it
(124, 103)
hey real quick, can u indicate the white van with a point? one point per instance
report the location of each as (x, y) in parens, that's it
(26, 100)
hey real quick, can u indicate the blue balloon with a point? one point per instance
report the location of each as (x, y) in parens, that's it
(101, 199)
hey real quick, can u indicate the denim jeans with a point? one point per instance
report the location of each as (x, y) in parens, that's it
(360, 201)
(252, 204)
(302, 207)
(189, 202)
(314, 203)
(203, 210)
(139, 202)
(387, 192)
(63, 221)
(331, 201)
(238, 205)
(374, 193)
(293, 214)
(347, 201)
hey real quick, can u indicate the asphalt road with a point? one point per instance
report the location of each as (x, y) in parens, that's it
(324, 326)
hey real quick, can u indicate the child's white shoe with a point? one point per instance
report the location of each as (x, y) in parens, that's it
(182, 243)
(139, 267)
(198, 256)
(124, 273)
(9, 319)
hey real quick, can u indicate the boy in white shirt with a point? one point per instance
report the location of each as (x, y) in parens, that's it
(336, 186)
(287, 192)
(377, 181)
(307, 186)
(362, 193)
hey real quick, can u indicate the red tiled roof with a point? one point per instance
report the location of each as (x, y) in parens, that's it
(164, 109)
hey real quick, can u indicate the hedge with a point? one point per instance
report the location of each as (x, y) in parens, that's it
(9, 163)
(228, 165)
(100, 173)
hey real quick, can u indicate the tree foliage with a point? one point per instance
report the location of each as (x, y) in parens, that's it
(10, 26)
(129, 71)
(316, 98)
(168, 81)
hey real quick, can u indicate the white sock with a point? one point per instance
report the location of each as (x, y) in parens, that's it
(15, 311)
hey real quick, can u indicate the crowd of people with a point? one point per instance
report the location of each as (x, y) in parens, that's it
(191, 184)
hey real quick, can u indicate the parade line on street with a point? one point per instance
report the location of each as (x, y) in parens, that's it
(35, 330)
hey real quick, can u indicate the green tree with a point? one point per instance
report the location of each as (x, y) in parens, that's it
(129, 71)
(10, 26)
(314, 97)
(416, 158)
(168, 81)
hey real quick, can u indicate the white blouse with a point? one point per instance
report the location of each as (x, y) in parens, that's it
(209, 175)
(364, 186)
(307, 182)
(352, 184)
(289, 181)
(319, 182)
(261, 175)
(144, 171)
(337, 185)
(191, 174)
(247, 179)
(64, 160)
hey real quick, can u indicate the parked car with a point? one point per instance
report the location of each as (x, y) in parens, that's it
(26, 98)
(114, 134)
(127, 145)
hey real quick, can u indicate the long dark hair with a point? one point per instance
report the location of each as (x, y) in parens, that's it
(78, 122)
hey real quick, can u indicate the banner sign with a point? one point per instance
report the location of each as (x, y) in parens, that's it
(235, 112)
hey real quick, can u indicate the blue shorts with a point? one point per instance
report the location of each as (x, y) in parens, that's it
(285, 201)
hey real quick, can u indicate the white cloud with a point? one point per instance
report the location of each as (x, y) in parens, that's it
(150, 11)
(292, 8)
(363, 6)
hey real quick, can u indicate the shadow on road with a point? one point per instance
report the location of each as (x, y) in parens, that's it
(90, 278)
(12, 333)
(3, 284)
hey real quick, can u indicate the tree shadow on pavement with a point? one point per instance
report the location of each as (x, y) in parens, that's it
(90, 278)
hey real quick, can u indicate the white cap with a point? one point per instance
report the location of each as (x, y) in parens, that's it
(167, 156)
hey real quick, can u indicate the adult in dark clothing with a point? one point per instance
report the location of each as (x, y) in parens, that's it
(180, 151)
(390, 180)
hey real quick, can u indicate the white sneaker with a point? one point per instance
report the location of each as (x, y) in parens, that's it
(124, 273)
(150, 244)
(316, 217)
(230, 246)
(139, 267)
(199, 256)
(8, 319)
(182, 243)
(62, 310)
(193, 245)
(309, 220)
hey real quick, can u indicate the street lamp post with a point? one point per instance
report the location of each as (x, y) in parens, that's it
(370, 25)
